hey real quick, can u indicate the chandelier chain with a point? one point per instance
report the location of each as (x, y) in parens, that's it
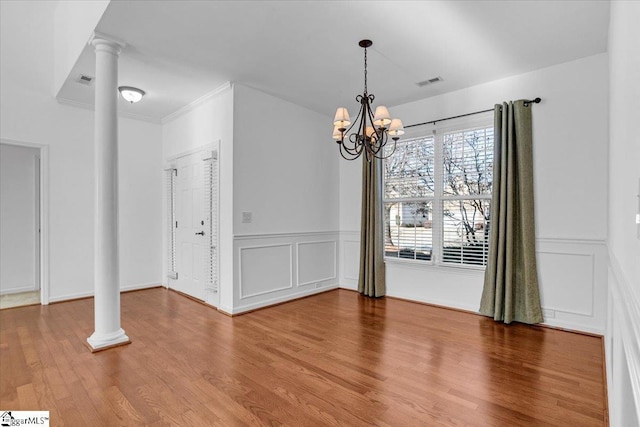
(365, 71)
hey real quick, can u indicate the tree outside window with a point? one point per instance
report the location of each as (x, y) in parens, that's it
(437, 194)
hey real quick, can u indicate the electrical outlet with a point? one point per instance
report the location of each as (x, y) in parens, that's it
(247, 217)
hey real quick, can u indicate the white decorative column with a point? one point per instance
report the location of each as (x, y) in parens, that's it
(108, 332)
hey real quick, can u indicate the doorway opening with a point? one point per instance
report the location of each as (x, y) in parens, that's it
(23, 224)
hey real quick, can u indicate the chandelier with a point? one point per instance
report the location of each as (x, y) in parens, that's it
(371, 131)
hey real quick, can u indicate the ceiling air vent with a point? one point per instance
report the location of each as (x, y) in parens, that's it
(85, 80)
(429, 81)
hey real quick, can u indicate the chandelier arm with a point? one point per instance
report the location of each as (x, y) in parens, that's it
(366, 111)
(373, 143)
(351, 150)
(352, 154)
(355, 148)
(383, 156)
(346, 132)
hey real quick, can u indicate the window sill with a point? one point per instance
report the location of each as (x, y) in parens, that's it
(430, 265)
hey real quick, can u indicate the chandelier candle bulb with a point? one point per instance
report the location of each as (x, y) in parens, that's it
(369, 133)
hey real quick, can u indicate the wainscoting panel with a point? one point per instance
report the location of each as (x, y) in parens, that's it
(265, 269)
(623, 346)
(562, 275)
(317, 262)
(274, 268)
(349, 259)
(573, 283)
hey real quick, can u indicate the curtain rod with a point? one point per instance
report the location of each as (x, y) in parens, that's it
(526, 102)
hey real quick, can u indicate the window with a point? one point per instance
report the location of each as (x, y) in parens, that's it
(437, 194)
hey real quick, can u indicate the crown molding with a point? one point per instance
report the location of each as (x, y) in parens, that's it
(195, 104)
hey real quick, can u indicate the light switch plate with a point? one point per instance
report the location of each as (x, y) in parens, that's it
(247, 217)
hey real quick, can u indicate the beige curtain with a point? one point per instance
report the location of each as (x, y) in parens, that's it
(371, 281)
(511, 281)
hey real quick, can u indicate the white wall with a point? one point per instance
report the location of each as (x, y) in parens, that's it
(623, 328)
(209, 121)
(29, 114)
(285, 166)
(74, 25)
(140, 203)
(18, 193)
(286, 175)
(570, 166)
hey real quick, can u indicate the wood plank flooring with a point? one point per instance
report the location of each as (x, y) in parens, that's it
(332, 359)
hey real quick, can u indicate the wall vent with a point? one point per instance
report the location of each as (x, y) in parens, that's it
(429, 81)
(85, 80)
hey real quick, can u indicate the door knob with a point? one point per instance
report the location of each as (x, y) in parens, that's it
(200, 233)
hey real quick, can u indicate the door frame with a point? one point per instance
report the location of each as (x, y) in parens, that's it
(169, 163)
(43, 212)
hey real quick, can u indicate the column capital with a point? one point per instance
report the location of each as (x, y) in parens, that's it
(106, 43)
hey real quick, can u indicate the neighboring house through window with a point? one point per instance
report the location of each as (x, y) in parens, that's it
(437, 193)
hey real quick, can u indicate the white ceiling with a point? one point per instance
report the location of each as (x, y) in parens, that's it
(307, 51)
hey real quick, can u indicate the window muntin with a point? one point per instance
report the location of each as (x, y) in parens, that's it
(437, 194)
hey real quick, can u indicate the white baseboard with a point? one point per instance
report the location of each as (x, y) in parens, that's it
(351, 287)
(127, 288)
(140, 286)
(18, 289)
(442, 303)
(272, 301)
(69, 297)
(571, 327)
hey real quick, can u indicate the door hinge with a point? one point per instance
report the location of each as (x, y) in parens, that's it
(176, 224)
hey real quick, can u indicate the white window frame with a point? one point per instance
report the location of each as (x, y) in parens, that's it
(479, 121)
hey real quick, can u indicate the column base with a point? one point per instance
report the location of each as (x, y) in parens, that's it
(98, 342)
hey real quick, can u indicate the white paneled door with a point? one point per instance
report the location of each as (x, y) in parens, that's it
(190, 226)
(192, 234)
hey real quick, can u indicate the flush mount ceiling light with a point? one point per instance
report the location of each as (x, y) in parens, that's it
(373, 130)
(131, 94)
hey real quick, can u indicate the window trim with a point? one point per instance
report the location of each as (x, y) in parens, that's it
(480, 121)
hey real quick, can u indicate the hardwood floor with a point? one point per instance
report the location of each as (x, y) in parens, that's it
(332, 359)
